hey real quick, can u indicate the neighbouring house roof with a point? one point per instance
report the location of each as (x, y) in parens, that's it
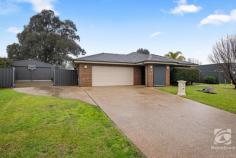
(213, 67)
(25, 63)
(132, 58)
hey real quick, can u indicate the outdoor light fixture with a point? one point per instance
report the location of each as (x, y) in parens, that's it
(151, 68)
(85, 66)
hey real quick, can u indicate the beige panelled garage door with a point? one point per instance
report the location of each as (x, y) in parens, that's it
(112, 76)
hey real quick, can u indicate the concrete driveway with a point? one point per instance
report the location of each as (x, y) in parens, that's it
(67, 92)
(161, 124)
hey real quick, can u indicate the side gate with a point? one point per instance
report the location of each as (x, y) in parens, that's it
(7, 77)
(63, 77)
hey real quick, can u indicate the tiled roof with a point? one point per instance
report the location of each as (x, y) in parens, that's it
(131, 58)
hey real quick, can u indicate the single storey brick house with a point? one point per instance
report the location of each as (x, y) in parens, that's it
(107, 69)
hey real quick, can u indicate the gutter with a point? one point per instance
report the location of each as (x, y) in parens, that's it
(104, 62)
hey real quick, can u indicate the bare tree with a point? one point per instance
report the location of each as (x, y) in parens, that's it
(195, 61)
(224, 54)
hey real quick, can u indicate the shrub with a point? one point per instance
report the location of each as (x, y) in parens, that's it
(4, 62)
(188, 74)
(211, 80)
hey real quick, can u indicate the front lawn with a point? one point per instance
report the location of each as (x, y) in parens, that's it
(36, 126)
(224, 99)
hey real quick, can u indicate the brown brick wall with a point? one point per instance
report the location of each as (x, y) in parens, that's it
(149, 75)
(85, 75)
(137, 75)
(167, 75)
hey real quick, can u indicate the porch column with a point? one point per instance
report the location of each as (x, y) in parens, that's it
(167, 75)
(85, 75)
(149, 75)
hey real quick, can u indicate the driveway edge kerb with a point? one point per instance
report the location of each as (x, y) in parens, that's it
(115, 125)
(91, 98)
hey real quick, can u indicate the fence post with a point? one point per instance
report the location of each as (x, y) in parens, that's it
(54, 76)
(13, 77)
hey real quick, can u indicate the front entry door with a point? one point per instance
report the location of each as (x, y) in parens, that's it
(159, 74)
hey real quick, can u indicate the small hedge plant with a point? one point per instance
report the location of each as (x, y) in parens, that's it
(187, 74)
(211, 80)
(4, 62)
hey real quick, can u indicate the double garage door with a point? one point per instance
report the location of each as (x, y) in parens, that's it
(112, 75)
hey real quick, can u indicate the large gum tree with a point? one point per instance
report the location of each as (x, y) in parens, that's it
(48, 39)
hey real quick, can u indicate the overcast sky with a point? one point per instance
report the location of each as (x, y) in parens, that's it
(122, 26)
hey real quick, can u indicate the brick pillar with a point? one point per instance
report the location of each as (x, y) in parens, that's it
(137, 75)
(167, 75)
(149, 75)
(85, 75)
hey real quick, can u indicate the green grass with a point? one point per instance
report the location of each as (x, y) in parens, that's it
(224, 99)
(37, 126)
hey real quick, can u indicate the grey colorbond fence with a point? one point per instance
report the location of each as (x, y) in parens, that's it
(212, 70)
(63, 77)
(7, 77)
(40, 73)
(32, 70)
